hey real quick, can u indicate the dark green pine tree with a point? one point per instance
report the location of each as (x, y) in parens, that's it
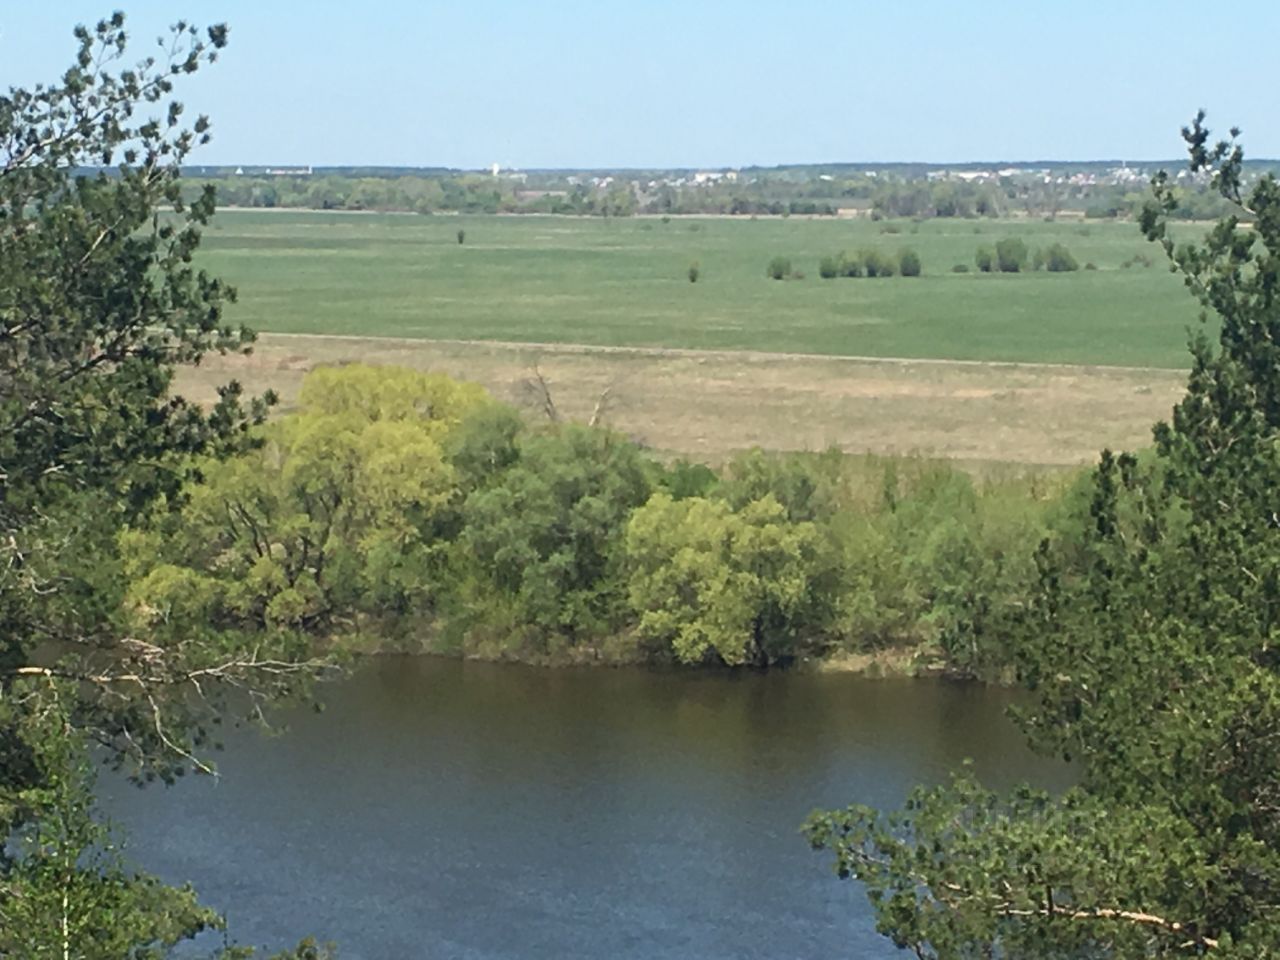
(1151, 647)
(99, 300)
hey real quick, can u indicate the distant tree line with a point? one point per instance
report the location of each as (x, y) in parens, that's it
(764, 194)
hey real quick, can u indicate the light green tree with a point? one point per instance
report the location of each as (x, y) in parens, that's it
(713, 584)
(339, 512)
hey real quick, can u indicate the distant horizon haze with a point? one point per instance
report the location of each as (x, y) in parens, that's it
(1166, 162)
(703, 84)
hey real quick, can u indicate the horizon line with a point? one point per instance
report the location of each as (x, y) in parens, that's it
(866, 164)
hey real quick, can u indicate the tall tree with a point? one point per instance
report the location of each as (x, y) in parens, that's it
(709, 583)
(544, 540)
(99, 300)
(1150, 645)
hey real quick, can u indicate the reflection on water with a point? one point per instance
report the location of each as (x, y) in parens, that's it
(447, 809)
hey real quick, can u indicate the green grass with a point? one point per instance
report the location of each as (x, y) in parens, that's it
(624, 282)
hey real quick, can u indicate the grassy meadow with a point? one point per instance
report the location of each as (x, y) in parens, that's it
(623, 282)
(706, 406)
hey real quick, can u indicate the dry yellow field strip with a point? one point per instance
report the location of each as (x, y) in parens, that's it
(705, 405)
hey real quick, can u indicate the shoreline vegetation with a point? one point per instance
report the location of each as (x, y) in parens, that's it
(399, 510)
(891, 664)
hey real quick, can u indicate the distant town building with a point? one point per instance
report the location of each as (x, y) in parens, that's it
(707, 177)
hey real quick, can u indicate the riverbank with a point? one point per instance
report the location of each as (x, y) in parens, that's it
(424, 639)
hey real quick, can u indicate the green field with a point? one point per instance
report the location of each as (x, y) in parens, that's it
(623, 283)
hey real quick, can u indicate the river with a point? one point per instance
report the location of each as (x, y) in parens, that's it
(485, 812)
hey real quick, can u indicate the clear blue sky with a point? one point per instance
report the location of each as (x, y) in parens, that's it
(536, 83)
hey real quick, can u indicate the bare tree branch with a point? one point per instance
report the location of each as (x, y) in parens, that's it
(541, 390)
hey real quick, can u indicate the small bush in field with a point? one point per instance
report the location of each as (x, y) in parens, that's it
(1058, 259)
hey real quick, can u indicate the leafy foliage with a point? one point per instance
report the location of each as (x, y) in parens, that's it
(779, 268)
(1058, 259)
(67, 891)
(706, 580)
(877, 264)
(1011, 255)
(341, 511)
(394, 505)
(1148, 644)
(545, 536)
(99, 300)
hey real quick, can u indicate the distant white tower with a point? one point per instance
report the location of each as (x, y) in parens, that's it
(495, 168)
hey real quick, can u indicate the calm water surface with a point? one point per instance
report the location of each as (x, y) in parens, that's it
(480, 811)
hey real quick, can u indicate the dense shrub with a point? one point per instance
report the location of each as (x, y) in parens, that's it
(779, 268)
(683, 479)
(806, 485)
(960, 268)
(1091, 265)
(1011, 255)
(867, 263)
(876, 264)
(909, 263)
(985, 259)
(695, 271)
(1058, 259)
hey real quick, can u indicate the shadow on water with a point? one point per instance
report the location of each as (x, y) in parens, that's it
(448, 809)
